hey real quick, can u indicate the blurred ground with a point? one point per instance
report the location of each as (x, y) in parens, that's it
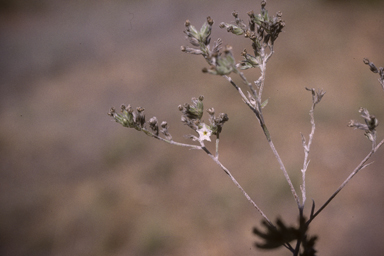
(73, 182)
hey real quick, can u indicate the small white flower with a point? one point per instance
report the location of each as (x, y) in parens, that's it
(204, 133)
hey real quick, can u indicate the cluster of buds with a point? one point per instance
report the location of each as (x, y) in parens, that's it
(249, 61)
(374, 69)
(200, 39)
(192, 114)
(316, 96)
(262, 29)
(136, 119)
(224, 64)
(154, 125)
(370, 125)
(220, 63)
(129, 118)
(217, 122)
(238, 28)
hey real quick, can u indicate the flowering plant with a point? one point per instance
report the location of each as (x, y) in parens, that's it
(262, 30)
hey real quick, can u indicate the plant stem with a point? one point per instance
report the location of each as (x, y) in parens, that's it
(259, 116)
(282, 167)
(361, 166)
(170, 141)
(307, 147)
(216, 160)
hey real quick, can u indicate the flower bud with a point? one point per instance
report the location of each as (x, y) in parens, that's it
(153, 124)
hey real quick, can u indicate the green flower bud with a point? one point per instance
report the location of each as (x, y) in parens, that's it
(235, 30)
(205, 32)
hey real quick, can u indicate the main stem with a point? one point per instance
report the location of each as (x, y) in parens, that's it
(256, 109)
(263, 68)
(282, 167)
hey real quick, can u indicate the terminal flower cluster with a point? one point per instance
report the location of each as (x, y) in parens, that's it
(129, 118)
(192, 116)
(136, 119)
(262, 30)
(220, 63)
(374, 69)
(369, 126)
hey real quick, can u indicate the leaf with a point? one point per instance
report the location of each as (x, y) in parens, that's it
(264, 103)
(308, 246)
(274, 237)
(281, 235)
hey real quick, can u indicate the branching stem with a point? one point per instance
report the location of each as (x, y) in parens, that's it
(255, 107)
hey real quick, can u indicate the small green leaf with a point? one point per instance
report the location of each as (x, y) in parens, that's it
(264, 103)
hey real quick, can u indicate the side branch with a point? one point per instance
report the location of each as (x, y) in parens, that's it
(361, 166)
(237, 184)
(172, 142)
(316, 98)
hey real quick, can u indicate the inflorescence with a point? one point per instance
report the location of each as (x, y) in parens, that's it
(262, 30)
(191, 116)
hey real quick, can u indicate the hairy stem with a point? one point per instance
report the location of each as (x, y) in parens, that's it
(170, 141)
(236, 183)
(282, 167)
(307, 147)
(257, 111)
(217, 147)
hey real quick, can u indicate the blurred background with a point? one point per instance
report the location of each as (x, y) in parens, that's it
(74, 182)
